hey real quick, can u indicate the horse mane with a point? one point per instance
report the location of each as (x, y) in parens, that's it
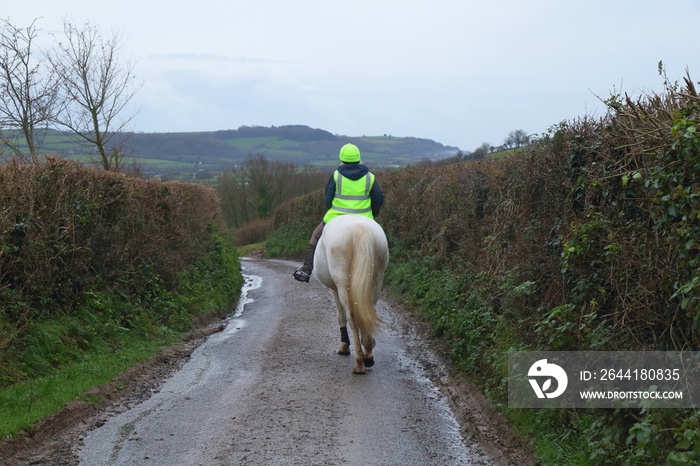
(362, 282)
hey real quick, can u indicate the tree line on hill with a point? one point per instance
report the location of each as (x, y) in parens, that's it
(301, 133)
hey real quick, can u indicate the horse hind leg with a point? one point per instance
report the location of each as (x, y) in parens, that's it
(342, 322)
(342, 303)
(359, 354)
(344, 341)
(368, 343)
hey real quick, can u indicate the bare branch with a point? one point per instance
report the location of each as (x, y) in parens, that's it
(28, 89)
(97, 86)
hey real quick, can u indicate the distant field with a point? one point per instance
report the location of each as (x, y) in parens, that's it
(203, 155)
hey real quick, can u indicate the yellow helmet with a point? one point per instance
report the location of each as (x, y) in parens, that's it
(349, 153)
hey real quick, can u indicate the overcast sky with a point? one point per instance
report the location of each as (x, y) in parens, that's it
(461, 72)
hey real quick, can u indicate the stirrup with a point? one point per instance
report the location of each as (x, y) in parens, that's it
(301, 275)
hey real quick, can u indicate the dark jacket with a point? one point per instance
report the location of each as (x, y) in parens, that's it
(355, 171)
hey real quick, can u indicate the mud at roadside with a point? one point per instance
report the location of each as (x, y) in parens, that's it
(479, 421)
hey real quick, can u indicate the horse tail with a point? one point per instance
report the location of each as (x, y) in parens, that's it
(361, 286)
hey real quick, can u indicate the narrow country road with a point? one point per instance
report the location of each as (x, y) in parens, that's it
(270, 389)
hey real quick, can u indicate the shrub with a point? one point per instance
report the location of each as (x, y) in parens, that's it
(86, 255)
(254, 232)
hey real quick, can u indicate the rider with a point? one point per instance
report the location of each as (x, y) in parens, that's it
(351, 189)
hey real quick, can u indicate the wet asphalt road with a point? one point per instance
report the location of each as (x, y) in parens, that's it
(270, 389)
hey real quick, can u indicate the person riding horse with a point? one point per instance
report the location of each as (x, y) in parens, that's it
(352, 189)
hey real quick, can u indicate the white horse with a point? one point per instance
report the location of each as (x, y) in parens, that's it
(350, 259)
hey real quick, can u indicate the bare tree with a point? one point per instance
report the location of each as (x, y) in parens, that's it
(28, 96)
(97, 86)
(517, 138)
(266, 182)
(233, 192)
(254, 189)
(481, 151)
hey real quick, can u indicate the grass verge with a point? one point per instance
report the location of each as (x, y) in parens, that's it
(25, 403)
(474, 318)
(56, 360)
(477, 336)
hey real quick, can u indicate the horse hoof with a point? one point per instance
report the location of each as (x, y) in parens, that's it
(369, 362)
(344, 349)
(357, 371)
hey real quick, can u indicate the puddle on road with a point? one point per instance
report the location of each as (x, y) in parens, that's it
(235, 322)
(250, 282)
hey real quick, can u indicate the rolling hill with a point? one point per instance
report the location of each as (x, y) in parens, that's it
(202, 155)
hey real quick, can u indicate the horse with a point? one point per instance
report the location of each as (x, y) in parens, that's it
(351, 258)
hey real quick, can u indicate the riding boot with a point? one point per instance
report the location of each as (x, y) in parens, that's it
(303, 273)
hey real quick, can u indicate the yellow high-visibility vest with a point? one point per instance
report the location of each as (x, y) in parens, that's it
(351, 197)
